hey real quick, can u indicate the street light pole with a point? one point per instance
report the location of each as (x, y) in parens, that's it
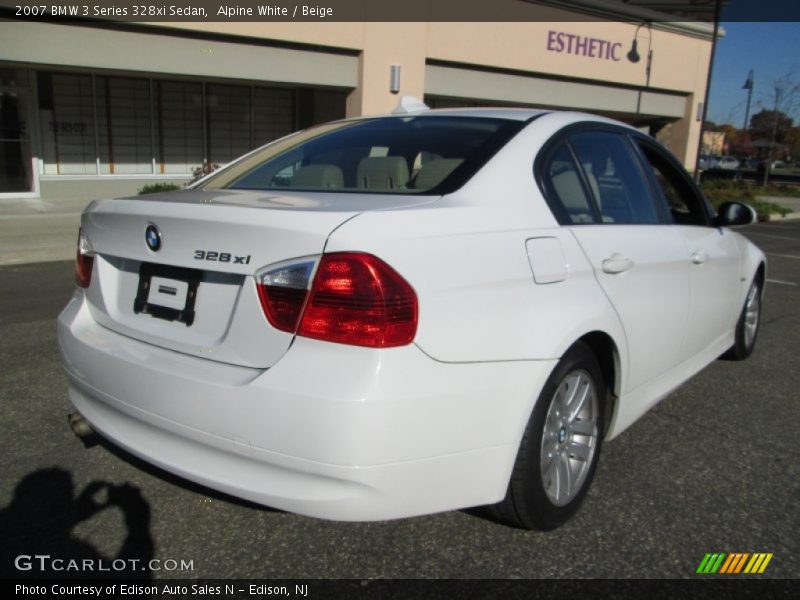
(748, 85)
(768, 166)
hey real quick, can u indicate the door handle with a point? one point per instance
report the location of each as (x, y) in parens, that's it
(616, 264)
(699, 258)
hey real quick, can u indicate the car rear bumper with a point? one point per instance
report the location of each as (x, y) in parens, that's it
(330, 431)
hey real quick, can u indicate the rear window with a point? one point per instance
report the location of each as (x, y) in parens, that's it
(408, 155)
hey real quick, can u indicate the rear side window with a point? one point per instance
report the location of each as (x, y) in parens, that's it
(564, 189)
(616, 179)
(685, 204)
(408, 155)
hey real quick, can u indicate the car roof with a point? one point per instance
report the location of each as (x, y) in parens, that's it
(504, 112)
(515, 114)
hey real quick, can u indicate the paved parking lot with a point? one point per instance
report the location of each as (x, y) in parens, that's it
(712, 468)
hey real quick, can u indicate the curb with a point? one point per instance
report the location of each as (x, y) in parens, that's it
(777, 218)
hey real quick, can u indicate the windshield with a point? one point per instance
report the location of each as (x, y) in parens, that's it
(408, 155)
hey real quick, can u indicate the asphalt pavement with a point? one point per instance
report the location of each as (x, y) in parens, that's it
(713, 468)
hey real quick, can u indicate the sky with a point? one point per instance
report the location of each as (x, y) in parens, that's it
(771, 49)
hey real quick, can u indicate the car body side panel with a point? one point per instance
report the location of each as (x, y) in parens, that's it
(651, 297)
(477, 294)
(715, 286)
(634, 403)
(638, 401)
(751, 257)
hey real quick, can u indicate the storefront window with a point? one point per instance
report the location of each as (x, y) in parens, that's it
(179, 126)
(274, 114)
(124, 128)
(113, 125)
(10, 77)
(228, 122)
(66, 117)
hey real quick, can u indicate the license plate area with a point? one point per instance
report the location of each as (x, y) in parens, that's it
(167, 292)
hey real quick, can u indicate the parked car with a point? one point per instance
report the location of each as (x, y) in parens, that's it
(708, 162)
(392, 316)
(728, 163)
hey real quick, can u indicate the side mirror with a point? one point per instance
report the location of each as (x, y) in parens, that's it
(735, 214)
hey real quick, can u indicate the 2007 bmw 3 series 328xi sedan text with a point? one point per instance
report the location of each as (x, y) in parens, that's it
(392, 316)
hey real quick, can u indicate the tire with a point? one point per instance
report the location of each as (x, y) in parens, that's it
(556, 447)
(747, 326)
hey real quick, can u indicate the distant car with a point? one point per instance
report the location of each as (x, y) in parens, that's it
(708, 162)
(391, 316)
(728, 163)
(778, 164)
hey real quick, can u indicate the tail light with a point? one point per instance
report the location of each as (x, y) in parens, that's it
(84, 261)
(283, 290)
(353, 298)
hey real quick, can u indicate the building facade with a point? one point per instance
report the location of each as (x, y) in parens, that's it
(98, 109)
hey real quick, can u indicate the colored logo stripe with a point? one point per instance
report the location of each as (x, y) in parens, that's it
(734, 563)
(758, 563)
(711, 563)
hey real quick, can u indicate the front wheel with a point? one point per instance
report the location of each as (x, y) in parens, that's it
(560, 448)
(748, 325)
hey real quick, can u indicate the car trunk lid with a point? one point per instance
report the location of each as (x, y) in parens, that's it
(194, 291)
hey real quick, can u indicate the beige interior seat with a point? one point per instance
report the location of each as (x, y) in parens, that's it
(572, 196)
(382, 173)
(318, 176)
(433, 172)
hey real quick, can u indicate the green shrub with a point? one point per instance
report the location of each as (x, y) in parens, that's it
(155, 188)
(778, 189)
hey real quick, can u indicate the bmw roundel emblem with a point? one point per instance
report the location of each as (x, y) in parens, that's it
(152, 236)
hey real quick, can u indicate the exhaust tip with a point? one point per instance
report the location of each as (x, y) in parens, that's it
(81, 428)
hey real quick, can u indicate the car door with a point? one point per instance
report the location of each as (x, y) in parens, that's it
(596, 186)
(714, 281)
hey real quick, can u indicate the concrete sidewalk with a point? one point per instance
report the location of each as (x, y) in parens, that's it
(792, 204)
(36, 231)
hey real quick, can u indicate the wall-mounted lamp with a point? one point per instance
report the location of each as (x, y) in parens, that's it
(394, 79)
(633, 53)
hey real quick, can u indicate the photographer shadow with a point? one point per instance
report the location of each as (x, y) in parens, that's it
(40, 519)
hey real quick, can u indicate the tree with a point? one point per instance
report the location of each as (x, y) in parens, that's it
(737, 141)
(764, 122)
(793, 142)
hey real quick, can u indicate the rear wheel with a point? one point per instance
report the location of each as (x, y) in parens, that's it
(748, 325)
(560, 448)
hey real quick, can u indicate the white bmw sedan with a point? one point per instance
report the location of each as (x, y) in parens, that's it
(392, 316)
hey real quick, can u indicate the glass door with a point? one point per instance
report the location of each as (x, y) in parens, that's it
(16, 172)
(16, 155)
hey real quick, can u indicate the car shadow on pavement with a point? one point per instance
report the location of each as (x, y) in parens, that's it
(36, 529)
